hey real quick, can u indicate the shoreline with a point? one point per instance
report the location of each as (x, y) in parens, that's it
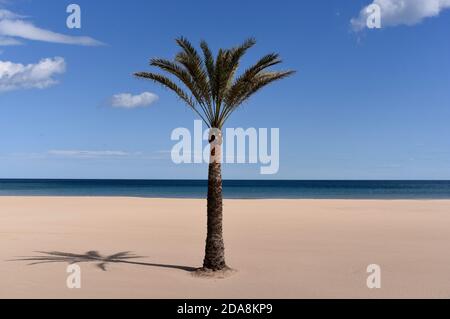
(232, 189)
(225, 198)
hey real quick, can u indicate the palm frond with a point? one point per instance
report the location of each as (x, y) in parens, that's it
(242, 83)
(262, 80)
(208, 60)
(257, 83)
(214, 90)
(176, 70)
(167, 83)
(192, 62)
(238, 52)
(187, 47)
(193, 84)
(229, 66)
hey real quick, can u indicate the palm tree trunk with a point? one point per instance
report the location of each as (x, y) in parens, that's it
(214, 250)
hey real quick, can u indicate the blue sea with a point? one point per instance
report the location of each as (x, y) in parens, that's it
(232, 188)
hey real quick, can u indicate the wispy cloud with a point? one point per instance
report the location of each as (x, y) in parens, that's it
(89, 154)
(15, 27)
(73, 154)
(129, 101)
(401, 12)
(40, 75)
(9, 41)
(6, 14)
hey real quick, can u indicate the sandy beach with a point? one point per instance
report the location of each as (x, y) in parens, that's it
(281, 248)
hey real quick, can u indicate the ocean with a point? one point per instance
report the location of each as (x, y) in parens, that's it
(232, 188)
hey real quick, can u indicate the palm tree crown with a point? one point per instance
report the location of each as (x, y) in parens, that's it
(215, 90)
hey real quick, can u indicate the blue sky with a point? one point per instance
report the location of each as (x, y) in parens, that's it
(367, 104)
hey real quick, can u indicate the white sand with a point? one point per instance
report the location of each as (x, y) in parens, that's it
(281, 248)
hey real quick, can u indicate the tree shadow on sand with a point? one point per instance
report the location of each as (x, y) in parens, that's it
(92, 256)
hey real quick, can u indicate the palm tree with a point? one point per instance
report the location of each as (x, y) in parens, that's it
(214, 92)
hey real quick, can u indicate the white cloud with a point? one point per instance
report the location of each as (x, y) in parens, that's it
(88, 154)
(129, 101)
(6, 14)
(13, 26)
(5, 41)
(15, 76)
(402, 12)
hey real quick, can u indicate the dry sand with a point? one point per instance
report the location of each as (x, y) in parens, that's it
(281, 248)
